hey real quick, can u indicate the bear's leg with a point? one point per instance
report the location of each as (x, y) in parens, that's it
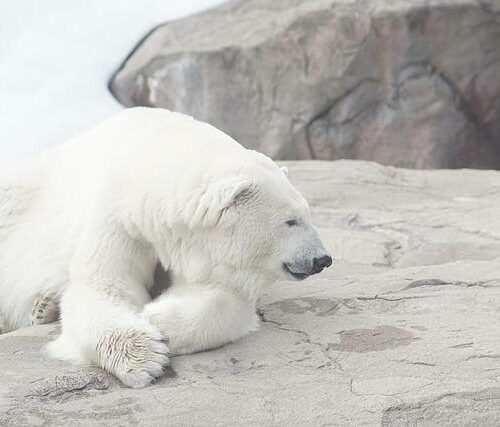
(45, 309)
(99, 311)
(101, 327)
(197, 318)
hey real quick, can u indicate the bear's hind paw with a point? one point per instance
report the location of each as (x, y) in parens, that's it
(45, 310)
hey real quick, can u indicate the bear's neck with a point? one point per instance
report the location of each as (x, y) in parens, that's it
(248, 284)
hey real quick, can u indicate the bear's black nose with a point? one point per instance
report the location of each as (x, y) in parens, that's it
(321, 263)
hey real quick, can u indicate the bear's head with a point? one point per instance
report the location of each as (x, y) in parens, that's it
(255, 220)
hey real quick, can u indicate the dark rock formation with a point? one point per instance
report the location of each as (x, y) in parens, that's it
(407, 83)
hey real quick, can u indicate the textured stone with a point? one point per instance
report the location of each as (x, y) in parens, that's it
(408, 83)
(404, 330)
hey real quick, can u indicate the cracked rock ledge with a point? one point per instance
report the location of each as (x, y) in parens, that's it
(404, 329)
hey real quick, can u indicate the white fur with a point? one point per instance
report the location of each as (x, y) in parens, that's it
(90, 220)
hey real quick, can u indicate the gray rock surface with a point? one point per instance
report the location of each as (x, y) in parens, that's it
(411, 83)
(405, 329)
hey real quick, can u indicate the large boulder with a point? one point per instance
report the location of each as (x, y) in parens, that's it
(407, 83)
(403, 330)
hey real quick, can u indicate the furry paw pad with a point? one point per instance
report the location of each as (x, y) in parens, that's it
(45, 310)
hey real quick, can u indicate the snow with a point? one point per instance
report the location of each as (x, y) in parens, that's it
(56, 57)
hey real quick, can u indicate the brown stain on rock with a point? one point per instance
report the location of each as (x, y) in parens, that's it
(376, 339)
(318, 306)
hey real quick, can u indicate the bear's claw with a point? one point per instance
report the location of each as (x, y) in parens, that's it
(3, 324)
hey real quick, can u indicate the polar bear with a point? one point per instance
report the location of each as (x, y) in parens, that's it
(88, 222)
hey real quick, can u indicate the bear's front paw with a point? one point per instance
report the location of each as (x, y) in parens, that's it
(136, 357)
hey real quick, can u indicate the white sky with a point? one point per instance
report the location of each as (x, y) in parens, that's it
(56, 57)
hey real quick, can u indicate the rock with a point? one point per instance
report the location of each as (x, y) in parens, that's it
(404, 330)
(412, 84)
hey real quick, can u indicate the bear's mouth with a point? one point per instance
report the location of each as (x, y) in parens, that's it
(297, 276)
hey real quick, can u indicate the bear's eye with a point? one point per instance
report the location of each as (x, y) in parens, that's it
(291, 222)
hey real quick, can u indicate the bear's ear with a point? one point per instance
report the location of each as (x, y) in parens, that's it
(284, 169)
(219, 198)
